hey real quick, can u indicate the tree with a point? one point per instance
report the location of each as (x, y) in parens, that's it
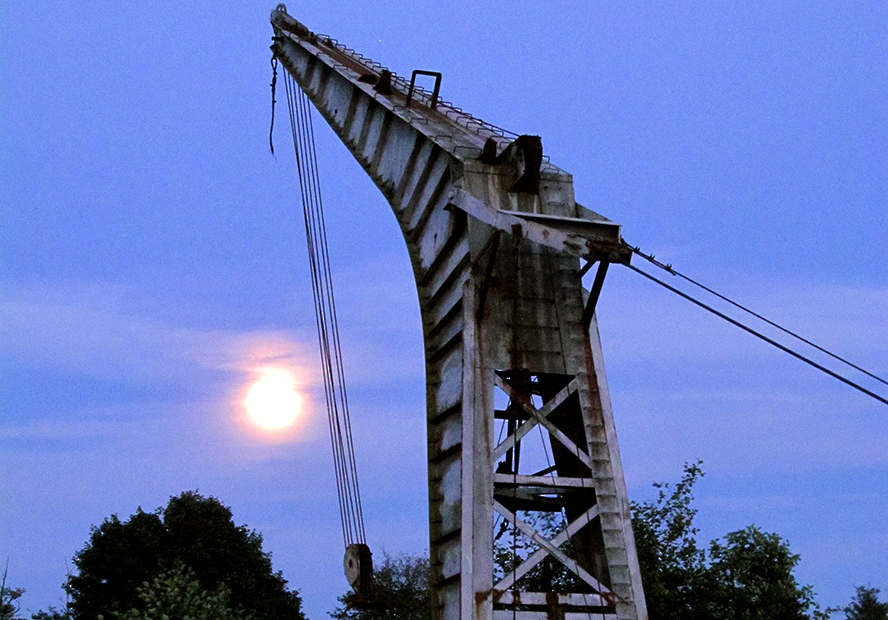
(747, 574)
(8, 597)
(750, 577)
(121, 563)
(51, 614)
(401, 591)
(865, 606)
(177, 593)
(671, 564)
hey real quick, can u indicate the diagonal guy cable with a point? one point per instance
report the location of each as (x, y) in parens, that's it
(654, 261)
(762, 336)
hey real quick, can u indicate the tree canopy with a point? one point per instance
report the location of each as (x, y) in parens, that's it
(177, 593)
(191, 543)
(8, 597)
(865, 606)
(400, 589)
(746, 575)
(750, 576)
(671, 563)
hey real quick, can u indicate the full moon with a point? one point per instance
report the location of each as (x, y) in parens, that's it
(272, 401)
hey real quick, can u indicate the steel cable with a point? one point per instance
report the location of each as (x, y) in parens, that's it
(669, 268)
(326, 321)
(350, 452)
(761, 336)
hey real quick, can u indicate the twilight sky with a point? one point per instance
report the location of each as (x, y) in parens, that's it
(153, 259)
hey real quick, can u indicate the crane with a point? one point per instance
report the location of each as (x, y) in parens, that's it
(499, 248)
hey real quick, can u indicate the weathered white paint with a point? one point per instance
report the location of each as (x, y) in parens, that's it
(497, 278)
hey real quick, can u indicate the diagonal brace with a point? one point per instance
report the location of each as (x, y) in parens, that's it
(535, 414)
(550, 548)
(539, 416)
(536, 557)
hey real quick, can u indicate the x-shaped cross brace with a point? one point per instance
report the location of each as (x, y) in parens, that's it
(548, 546)
(538, 416)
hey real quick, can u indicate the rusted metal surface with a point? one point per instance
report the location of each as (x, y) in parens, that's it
(589, 239)
(496, 240)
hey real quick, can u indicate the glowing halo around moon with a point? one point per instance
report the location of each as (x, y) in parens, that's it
(272, 402)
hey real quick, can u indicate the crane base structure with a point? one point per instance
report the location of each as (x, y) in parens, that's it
(499, 248)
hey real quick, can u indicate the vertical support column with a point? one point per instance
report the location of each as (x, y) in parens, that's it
(477, 471)
(622, 556)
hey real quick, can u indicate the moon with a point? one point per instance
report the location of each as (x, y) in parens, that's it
(272, 401)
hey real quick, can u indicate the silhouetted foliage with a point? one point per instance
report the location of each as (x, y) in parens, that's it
(176, 593)
(9, 608)
(865, 606)
(750, 577)
(665, 539)
(401, 591)
(122, 558)
(746, 574)
(51, 614)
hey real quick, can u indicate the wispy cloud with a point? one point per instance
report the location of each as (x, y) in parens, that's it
(190, 381)
(94, 330)
(686, 385)
(643, 323)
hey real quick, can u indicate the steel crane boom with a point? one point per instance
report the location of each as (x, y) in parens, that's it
(512, 350)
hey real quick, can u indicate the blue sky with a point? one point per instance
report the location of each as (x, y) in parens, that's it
(153, 258)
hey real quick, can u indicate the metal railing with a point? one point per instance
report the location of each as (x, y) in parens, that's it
(460, 117)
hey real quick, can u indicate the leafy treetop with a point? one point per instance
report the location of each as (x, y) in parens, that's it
(193, 534)
(865, 606)
(400, 590)
(746, 575)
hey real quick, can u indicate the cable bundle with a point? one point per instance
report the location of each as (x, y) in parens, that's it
(325, 315)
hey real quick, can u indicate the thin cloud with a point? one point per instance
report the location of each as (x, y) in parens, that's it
(97, 335)
(640, 321)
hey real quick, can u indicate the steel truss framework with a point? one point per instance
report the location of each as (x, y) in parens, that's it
(539, 492)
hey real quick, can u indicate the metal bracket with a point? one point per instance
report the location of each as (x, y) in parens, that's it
(594, 294)
(589, 239)
(435, 75)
